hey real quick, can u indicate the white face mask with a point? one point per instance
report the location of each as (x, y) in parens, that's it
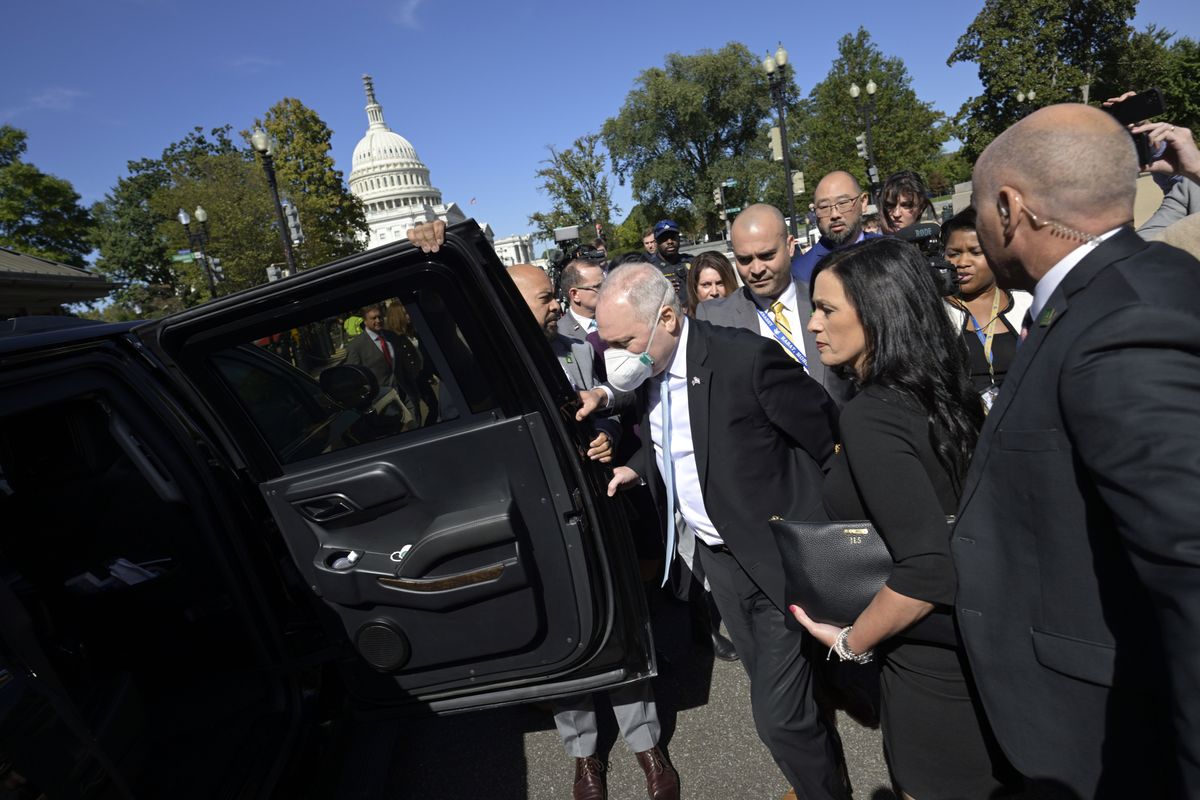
(627, 371)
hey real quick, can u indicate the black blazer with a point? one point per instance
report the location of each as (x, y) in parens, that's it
(762, 429)
(1078, 541)
(738, 310)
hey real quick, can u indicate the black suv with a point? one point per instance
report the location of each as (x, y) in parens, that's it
(215, 534)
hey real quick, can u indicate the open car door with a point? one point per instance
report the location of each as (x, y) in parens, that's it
(438, 504)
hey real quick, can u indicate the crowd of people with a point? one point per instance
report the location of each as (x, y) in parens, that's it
(1027, 447)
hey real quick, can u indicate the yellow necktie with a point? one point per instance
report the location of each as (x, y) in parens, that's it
(781, 318)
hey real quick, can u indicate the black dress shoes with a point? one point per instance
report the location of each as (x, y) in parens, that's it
(723, 648)
(589, 780)
(662, 781)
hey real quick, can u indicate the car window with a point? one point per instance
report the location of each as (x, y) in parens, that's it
(385, 369)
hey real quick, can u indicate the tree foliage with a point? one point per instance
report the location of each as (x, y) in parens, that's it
(576, 182)
(1057, 48)
(137, 231)
(40, 214)
(906, 133)
(332, 219)
(688, 126)
(1158, 58)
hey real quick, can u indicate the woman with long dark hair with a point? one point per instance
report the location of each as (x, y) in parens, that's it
(907, 438)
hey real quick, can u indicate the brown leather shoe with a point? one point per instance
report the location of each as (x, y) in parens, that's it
(589, 780)
(662, 781)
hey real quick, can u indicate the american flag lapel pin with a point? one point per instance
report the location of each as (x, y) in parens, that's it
(695, 381)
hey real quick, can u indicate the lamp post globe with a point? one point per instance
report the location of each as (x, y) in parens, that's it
(201, 215)
(855, 91)
(183, 218)
(770, 65)
(871, 87)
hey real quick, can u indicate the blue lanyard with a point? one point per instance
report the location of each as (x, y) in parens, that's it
(784, 339)
(983, 340)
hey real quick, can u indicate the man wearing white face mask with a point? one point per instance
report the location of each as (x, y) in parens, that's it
(739, 432)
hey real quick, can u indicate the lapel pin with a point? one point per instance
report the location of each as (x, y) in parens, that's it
(695, 381)
(1046, 317)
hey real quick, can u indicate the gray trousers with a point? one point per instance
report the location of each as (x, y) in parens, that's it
(633, 706)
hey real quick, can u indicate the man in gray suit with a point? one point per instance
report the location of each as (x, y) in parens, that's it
(770, 303)
(633, 705)
(580, 282)
(382, 352)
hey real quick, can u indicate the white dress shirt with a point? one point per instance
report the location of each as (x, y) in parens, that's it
(1051, 280)
(689, 498)
(587, 323)
(790, 312)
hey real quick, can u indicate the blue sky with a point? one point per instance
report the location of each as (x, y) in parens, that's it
(479, 88)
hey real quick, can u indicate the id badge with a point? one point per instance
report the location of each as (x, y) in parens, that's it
(989, 396)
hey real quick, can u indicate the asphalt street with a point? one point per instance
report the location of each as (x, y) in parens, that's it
(515, 753)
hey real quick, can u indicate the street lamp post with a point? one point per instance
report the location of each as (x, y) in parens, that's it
(866, 110)
(197, 240)
(776, 69)
(262, 145)
(1022, 96)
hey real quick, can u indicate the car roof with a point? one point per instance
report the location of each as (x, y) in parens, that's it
(37, 332)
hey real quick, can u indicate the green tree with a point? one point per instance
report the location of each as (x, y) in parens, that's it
(1158, 58)
(1057, 48)
(906, 133)
(332, 219)
(575, 181)
(686, 127)
(40, 214)
(137, 231)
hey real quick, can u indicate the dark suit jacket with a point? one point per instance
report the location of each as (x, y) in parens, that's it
(738, 310)
(1078, 541)
(762, 429)
(401, 376)
(578, 360)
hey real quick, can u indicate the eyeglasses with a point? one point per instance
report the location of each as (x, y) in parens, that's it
(825, 209)
(595, 288)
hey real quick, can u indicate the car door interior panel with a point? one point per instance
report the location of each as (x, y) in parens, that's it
(430, 496)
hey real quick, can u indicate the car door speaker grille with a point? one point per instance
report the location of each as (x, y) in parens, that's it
(382, 645)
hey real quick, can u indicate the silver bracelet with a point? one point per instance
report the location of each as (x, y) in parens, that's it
(845, 653)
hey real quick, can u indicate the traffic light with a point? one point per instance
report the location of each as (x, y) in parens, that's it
(873, 174)
(218, 272)
(292, 217)
(861, 142)
(717, 197)
(776, 144)
(797, 182)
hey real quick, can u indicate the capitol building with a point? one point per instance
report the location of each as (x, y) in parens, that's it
(393, 183)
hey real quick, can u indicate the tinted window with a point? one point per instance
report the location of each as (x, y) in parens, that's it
(387, 369)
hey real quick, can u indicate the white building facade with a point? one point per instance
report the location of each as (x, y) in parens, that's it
(514, 250)
(392, 182)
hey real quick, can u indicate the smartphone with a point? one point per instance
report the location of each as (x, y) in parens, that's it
(1142, 106)
(1132, 110)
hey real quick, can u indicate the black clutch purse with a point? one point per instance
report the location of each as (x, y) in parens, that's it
(832, 570)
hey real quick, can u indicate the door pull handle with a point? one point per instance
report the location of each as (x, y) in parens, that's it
(328, 508)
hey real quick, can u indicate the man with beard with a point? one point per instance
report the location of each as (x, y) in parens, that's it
(670, 262)
(840, 203)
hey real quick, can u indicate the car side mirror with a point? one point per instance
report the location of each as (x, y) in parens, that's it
(351, 386)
